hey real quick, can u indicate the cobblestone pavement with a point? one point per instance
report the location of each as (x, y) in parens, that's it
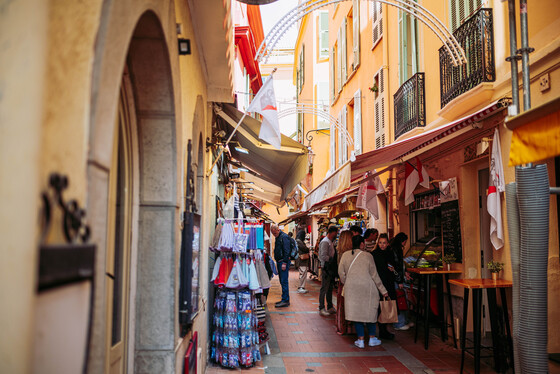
(302, 341)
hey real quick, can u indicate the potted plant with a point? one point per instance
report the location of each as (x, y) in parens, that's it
(448, 259)
(495, 267)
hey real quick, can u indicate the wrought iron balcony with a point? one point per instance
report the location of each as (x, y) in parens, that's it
(410, 105)
(476, 36)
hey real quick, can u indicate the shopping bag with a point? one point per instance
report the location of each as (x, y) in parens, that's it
(389, 313)
(401, 300)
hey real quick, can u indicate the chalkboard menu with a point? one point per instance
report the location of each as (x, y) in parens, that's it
(451, 229)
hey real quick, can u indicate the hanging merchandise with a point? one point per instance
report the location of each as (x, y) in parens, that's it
(236, 278)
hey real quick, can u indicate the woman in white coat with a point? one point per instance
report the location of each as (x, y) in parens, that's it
(362, 286)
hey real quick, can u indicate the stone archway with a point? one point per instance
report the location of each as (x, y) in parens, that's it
(155, 213)
(150, 73)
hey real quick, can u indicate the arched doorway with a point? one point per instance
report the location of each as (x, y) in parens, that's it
(136, 267)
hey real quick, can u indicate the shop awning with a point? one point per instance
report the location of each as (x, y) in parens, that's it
(402, 150)
(536, 134)
(338, 181)
(284, 167)
(339, 197)
(293, 217)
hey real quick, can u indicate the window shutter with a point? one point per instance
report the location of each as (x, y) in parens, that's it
(339, 62)
(461, 10)
(358, 122)
(339, 140)
(322, 104)
(356, 33)
(377, 23)
(332, 68)
(379, 107)
(344, 136)
(344, 54)
(323, 35)
(332, 152)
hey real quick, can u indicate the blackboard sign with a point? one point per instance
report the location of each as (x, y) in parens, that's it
(451, 229)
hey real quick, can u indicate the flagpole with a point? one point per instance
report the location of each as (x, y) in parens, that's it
(209, 173)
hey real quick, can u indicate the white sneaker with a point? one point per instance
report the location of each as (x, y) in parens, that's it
(331, 310)
(359, 343)
(374, 341)
(302, 290)
(324, 313)
(402, 328)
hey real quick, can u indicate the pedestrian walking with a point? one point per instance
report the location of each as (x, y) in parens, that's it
(344, 245)
(302, 261)
(282, 257)
(396, 247)
(384, 262)
(370, 237)
(327, 257)
(362, 286)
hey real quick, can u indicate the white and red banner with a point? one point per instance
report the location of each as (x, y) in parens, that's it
(264, 103)
(367, 195)
(413, 177)
(496, 185)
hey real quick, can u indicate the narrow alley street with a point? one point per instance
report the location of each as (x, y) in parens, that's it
(302, 341)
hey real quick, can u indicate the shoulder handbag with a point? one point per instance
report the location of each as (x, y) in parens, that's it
(352, 263)
(389, 312)
(401, 300)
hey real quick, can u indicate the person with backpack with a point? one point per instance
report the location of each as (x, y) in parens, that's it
(282, 251)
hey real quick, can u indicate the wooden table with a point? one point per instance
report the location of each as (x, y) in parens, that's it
(477, 285)
(426, 276)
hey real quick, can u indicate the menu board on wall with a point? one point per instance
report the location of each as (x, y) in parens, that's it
(451, 229)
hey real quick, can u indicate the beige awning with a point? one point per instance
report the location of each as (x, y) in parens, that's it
(283, 168)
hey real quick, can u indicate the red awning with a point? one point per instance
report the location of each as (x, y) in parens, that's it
(402, 150)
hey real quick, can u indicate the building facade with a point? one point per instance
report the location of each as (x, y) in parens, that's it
(116, 97)
(396, 93)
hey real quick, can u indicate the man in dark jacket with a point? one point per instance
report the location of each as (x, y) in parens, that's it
(282, 251)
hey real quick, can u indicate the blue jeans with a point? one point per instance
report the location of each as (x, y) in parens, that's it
(359, 326)
(402, 319)
(327, 285)
(284, 274)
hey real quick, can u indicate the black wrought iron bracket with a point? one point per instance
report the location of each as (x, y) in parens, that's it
(309, 137)
(74, 223)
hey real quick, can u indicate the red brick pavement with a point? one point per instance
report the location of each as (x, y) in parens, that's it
(308, 343)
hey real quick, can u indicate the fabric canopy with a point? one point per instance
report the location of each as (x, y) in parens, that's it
(284, 168)
(402, 150)
(536, 134)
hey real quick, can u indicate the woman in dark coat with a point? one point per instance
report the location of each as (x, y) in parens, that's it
(397, 248)
(385, 264)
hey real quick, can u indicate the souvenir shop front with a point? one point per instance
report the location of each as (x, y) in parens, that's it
(240, 279)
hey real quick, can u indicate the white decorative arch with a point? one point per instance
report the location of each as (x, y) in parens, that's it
(315, 110)
(416, 10)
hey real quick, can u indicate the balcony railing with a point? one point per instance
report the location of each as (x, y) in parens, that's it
(410, 105)
(476, 36)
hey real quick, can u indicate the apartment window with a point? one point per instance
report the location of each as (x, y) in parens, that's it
(357, 119)
(332, 150)
(334, 75)
(342, 141)
(300, 127)
(461, 10)
(379, 108)
(341, 56)
(355, 34)
(377, 23)
(408, 46)
(323, 35)
(322, 100)
(300, 77)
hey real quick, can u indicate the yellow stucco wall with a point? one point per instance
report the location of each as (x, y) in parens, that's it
(58, 106)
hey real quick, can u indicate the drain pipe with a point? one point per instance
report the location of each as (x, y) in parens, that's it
(513, 59)
(525, 50)
(513, 230)
(533, 198)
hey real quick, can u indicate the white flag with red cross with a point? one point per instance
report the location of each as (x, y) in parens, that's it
(264, 103)
(367, 195)
(496, 185)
